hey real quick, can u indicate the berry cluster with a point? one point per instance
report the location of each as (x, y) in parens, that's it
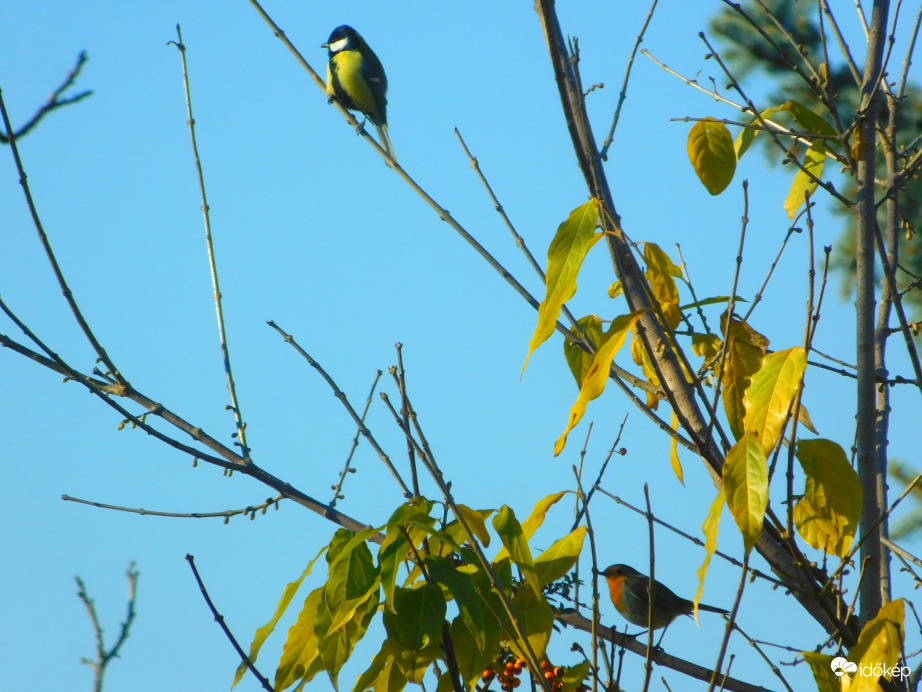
(506, 669)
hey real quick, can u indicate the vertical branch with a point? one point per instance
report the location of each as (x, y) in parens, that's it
(871, 467)
(103, 657)
(222, 334)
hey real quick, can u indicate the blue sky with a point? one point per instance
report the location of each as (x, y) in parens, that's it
(314, 232)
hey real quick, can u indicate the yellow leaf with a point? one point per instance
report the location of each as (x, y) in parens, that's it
(594, 381)
(709, 528)
(745, 350)
(661, 273)
(878, 649)
(674, 450)
(820, 665)
(804, 183)
(706, 346)
(711, 152)
(827, 516)
(803, 416)
(771, 393)
(745, 476)
(578, 359)
(573, 240)
(476, 522)
(615, 290)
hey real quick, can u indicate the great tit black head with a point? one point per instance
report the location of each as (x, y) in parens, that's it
(356, 78)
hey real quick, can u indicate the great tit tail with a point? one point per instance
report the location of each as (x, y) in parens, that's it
(385, 141)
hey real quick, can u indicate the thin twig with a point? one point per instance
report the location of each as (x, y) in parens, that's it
(251, 510)
(212, 264)
(220, 620)
(338, 393)
(55, 100)
(622, 95)
(348, 468)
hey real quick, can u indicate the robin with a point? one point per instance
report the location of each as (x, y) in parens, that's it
(628, 589)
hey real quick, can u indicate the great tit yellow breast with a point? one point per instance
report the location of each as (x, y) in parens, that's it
(346, 80)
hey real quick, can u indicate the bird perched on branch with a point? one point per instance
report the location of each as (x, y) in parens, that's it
(628, 589)
(356, 77)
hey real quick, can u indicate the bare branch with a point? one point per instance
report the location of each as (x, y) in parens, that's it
(56, 100)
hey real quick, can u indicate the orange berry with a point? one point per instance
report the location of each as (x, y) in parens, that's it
(549, 675)
(488, 673)
(516, 682)
(558, 671)
(545, 665)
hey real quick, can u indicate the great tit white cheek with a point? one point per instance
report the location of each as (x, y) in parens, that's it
(337, 46)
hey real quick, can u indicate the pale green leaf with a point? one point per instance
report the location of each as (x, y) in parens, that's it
(745, 476)
(770, 395)
(572, 242)
(559, 559)
(263, 632)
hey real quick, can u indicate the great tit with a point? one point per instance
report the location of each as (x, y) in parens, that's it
(355, 77)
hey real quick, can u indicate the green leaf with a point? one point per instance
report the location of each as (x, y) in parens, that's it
(827, 516)
(336, 645)
(366, 680)
(559, 559)
(805, 180)
(714, 300)
(535, 618)
(415, 629)
(516, 545)
(712, 155)
(595, 379)
(813, 122)
(770, 395)
(748, 134)
(745, 476)
(578, 359)
(572, 242)
(461, 587)
(352, 578)
(574, 676)
(263, 632)
(534, 521)
(472, 657)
